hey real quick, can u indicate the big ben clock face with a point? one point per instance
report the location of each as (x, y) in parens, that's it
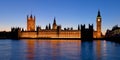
(98, 19)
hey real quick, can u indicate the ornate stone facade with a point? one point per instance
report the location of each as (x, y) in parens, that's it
(57, 32)
(31, 23)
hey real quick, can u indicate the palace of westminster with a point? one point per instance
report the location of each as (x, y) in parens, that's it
(55, 30)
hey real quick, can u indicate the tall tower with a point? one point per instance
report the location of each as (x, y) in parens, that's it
(98, 22)
(54, 24)
(30, 23)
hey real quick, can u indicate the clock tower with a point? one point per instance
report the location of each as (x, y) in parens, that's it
(98, 27)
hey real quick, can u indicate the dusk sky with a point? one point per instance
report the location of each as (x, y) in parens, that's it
(68, 13)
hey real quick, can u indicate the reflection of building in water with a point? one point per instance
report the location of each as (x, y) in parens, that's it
(98, 49)
(87, 50)
(14, 51)
(55, 45)
(71, 49)
(58, 32)
(30, 49)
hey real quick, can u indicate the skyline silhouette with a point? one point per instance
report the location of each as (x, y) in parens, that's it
(68, 13)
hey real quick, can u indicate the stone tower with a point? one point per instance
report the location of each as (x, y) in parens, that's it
(54, 24)
(98, 22)
(30, 23)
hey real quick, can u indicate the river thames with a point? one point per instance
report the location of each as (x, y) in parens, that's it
(59, 50)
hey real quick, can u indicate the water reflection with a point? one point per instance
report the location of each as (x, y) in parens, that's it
(5, 50)
(98, 49)
(30, 49)
(58, 50)
(71, 49)
(87, 50)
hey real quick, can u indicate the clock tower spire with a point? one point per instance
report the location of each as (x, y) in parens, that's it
(98, 22)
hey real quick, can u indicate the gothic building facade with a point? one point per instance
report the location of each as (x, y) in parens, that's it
(31, 23)
(56, 32)
(87, 33)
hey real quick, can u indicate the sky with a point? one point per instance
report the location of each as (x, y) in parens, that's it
(68, 13)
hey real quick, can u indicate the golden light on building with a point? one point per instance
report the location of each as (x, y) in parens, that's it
(58, 32)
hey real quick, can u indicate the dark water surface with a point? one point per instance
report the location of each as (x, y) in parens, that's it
(58, 50)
